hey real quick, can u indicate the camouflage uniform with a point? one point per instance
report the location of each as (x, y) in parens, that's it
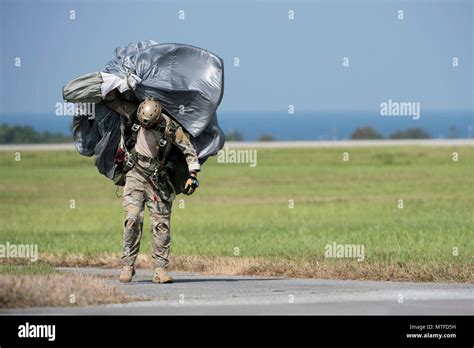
(138, 192)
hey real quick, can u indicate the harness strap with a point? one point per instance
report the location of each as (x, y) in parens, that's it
(165, 147)
(134, 133)
(144, 158)
(166, 134)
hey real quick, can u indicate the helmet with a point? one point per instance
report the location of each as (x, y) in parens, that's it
(149, 111)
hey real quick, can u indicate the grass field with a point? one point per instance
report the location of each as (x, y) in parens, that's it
(245, 211)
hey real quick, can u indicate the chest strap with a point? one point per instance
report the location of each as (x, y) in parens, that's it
(165, 143)
(166, 134)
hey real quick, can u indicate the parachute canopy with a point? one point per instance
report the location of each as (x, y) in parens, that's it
(187, 80)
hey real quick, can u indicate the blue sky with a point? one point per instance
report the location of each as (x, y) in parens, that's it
(282, 61)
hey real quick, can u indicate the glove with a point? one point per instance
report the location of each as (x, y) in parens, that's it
(190, 185)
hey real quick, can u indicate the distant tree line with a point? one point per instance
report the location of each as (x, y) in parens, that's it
(360, 133)
(235, 135)
(370, 133)
(27, 135)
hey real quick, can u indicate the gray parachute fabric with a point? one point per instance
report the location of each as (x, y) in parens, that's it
(187, 80)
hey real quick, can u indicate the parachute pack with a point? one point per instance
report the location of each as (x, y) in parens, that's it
(188, 82)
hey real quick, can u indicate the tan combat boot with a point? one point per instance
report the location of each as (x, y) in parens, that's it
(161, 276)
(127, 273)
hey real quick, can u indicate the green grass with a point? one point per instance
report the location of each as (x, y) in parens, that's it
(352, 202)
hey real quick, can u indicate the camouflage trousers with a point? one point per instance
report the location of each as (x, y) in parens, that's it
(138, 192)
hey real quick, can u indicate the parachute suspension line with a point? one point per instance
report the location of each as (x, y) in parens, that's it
(124, 148)
(122, 135)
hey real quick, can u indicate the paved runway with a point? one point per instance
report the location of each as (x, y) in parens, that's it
(196, 294)
(278, 144)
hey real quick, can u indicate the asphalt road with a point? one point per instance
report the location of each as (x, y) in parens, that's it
(195, 294)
